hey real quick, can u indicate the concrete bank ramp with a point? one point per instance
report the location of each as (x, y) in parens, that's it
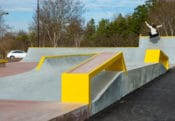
(107, 85)
(152, 102)
(43, 85)
(131, 55)
(110, 86)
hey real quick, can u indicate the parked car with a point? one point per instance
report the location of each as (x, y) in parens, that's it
(16, 54)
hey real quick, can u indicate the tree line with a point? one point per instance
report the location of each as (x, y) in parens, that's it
(61, 24)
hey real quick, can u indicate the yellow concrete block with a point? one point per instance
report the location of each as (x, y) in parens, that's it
(152, 56)
(75, 88)
(156, 56)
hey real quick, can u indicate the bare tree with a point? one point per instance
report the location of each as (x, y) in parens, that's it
(55, 17)
(163, 13)
(75, 32)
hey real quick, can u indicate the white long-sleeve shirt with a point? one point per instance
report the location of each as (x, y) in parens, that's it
(153, 30)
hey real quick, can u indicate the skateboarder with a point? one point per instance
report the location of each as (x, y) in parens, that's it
(153, 29)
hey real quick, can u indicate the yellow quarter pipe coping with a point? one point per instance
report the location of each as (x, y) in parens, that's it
(43, 58)
(76, 82)
(157, 56)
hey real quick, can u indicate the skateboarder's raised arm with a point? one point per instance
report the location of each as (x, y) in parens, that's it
(159, 26)
(149, 26)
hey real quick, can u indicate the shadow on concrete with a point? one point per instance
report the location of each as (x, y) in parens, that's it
(155, 40)
(153, 102)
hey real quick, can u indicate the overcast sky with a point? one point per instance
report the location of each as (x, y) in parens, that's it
(21, 11)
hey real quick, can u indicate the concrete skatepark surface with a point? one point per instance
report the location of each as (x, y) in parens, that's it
(41, 111)
(113, 87)
(152, 102)
(44, 85)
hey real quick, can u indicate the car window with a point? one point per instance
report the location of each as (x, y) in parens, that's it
(18, 51)
(14, 52)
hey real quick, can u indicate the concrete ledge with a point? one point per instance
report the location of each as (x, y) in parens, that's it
(76, 82)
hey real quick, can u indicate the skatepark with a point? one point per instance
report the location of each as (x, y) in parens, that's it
(52, 84)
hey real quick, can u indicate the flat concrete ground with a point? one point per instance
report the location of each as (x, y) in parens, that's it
(16, 68)
(153, 102)
(41, 111)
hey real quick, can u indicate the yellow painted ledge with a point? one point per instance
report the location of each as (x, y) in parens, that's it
(156, 56)
(76, 86)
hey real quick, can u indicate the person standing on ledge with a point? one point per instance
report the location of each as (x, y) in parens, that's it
(153, 29)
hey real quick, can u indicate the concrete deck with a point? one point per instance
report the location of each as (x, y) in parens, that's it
(41, 111)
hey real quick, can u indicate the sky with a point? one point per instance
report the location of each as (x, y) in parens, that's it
(21, 11)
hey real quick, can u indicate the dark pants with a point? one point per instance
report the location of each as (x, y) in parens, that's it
(155, 35)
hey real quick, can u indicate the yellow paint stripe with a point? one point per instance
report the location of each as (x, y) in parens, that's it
(43, 58)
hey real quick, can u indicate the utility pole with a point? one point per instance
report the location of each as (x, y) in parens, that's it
(1, 15)
(38, 26)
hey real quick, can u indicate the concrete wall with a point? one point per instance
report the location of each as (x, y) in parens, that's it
(122, 84)
(166, 44)
(133, 55)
